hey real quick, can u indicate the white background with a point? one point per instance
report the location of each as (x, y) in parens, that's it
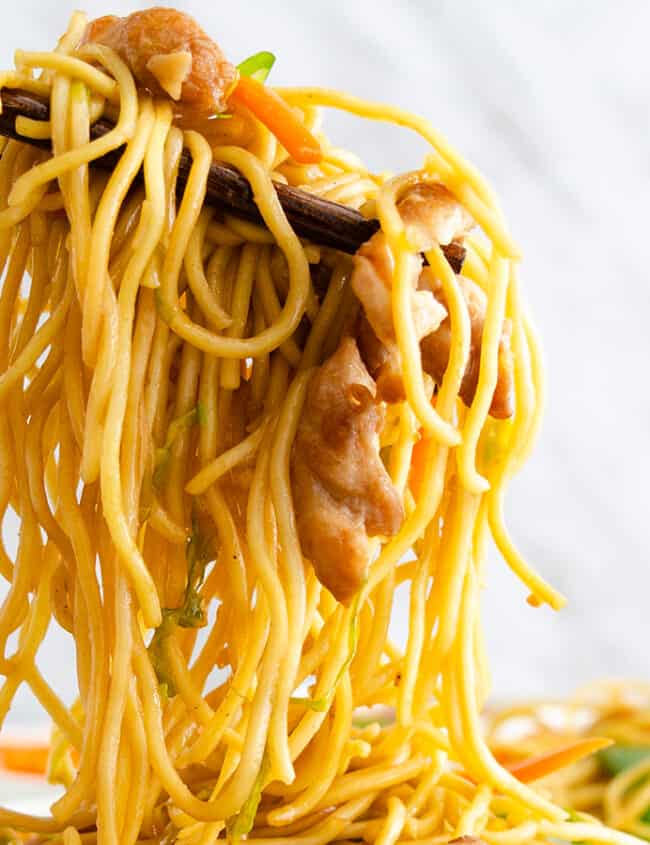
(551, 100)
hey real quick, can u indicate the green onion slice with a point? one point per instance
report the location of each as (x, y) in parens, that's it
(258, 65)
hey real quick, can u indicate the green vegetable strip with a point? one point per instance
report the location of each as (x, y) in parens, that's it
(258, 66)
(322, 704)
(242, 824)
(176, 428)
(189, 615)
(618, 758)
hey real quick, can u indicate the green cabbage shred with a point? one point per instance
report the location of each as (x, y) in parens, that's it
(242, 824)
(190, 614)
(197, 416)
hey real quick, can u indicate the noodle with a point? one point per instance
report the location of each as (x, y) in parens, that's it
(614, 787)
(154, 378)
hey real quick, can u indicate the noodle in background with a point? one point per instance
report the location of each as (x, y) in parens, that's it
(612, 785)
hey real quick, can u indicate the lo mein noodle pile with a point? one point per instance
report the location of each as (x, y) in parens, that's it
(161, 365)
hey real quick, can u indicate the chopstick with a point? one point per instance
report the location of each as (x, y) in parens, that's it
(313, 218)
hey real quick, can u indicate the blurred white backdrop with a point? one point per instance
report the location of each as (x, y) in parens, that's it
(551, 100)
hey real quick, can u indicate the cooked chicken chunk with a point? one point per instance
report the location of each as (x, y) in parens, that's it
(382, 364)
(169, 54)
(342, 491)
(435, 348)
(371, 282)
(431, 215)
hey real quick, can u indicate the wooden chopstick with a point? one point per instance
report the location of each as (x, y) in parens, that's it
(313, 218)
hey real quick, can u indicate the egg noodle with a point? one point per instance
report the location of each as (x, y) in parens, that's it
(122, 360)
(615, 784)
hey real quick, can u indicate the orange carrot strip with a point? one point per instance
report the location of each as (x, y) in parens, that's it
(539, 766)
(271, 110)
(26, 758)
(418, 460)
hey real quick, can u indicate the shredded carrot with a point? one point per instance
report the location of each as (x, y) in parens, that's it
(30, 758)
(539, 766)
(418, 461)
(271, 110)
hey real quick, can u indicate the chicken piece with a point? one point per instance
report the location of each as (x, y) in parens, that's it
(371, 282)
(431, 215)
(382, 363)
(342, 491)
(435, 347)
(169, 54)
